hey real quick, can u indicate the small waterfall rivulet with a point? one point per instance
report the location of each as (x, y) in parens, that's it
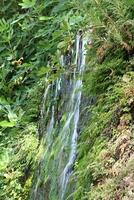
(74, 111)
(58, 127)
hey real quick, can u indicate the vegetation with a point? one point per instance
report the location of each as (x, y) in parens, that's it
(33, 34)
(103, 163)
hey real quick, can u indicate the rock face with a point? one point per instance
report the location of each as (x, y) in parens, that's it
(58, 127)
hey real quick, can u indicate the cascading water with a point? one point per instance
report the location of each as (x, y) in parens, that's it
(59, 118)
(75, 111)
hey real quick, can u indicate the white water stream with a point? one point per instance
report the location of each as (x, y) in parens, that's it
(61, 100)
(74, 111)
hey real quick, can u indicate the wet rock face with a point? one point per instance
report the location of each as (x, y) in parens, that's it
(58, 128)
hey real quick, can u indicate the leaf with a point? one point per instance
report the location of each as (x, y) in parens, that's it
(12, 117)
(43, 71)
(4, 26)
(5, 124)
(45, 18)
(3, 100)
(4, 159)
(65, 25)
(61, 45)
(27, 3)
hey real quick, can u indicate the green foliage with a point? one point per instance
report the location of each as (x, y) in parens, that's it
(108, 59)
(27, 3)
(33, 35)
(16, 166)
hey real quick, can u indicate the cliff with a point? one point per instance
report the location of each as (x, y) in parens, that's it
(67, 100)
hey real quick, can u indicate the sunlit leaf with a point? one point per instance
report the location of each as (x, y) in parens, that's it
(45, 18)
(27, 3)
(12, 117)
(5, 124)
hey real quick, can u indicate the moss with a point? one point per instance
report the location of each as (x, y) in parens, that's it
(27, 187)
(105, 145)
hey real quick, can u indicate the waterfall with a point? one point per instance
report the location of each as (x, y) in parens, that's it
(75, 111)
(59, 119)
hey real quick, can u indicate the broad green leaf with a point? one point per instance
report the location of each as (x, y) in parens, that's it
(5, 124)
(45, 18)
